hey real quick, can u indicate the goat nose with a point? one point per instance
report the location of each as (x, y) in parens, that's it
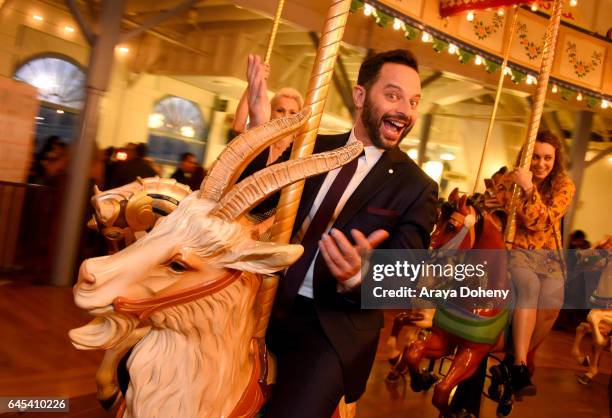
(85, 277)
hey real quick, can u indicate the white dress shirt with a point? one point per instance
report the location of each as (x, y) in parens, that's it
(364, 165)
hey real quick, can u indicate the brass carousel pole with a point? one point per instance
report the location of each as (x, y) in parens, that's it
(548, 54)
(303, 145)
(277, 16)
(500, 85)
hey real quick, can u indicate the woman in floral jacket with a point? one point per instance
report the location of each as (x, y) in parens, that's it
(538, 276)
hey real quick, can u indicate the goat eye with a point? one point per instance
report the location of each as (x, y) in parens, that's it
(178, 267)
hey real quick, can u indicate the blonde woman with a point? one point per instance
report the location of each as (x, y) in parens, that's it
(259, 109)
(537, 275)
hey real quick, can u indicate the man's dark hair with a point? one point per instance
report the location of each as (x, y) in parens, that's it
(370, 67)
(186, 155)
(141, 150)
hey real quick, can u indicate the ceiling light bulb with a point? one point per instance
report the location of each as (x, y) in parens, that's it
(604, 104)
(573, 3)
(69, 29)
(579, 97)
(368, 10)
(555, 88)
(470, 16)
(500, 12)
(426, 37)
(397, 24)
(452, 49)
(534, 7)
(478, 60)
(123, 50)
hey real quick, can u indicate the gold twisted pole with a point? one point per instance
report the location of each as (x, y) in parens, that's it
(548, 54)
(277, 16)
(500, 85)
(303, 145)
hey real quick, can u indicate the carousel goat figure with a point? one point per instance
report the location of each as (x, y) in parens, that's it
(185, 293)
(599, 320)
(473, 331)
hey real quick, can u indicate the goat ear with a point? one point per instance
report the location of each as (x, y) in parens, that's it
(454, 195)
(264, 257)
(462, 202)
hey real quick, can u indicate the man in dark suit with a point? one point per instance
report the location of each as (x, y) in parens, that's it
(324, 342)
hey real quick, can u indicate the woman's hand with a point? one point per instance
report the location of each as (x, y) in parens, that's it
(522, 177)
(259, 104)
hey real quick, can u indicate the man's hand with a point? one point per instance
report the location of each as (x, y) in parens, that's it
(343, 258)
(259, 105)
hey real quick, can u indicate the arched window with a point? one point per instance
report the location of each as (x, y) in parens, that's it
(61, 91)
(58, 81)
(176, 126)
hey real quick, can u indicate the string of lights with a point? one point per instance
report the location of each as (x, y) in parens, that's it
(413, 29)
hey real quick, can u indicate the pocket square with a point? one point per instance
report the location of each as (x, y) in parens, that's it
(381, 211)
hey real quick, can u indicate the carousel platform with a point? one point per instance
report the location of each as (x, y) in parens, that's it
(37, 359)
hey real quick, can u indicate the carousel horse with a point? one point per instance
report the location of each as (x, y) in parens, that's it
(599, 320)
(185, 295)
(126, 213)
(472, 331)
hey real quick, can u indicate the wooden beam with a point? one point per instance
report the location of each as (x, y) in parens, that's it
(82, 22)
(599, 156)
(157, 19)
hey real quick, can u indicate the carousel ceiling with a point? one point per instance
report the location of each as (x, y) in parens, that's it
(207, 45)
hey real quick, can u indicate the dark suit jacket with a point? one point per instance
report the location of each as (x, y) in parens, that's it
(127, 172)
(396, 196)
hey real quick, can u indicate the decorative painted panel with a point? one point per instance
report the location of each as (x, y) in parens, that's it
(485, 31)
(581, 60)
(528, 40)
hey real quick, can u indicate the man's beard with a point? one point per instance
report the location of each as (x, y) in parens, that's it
(372, 122)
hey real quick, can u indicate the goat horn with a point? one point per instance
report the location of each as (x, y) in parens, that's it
(260, 185)
(242, 150)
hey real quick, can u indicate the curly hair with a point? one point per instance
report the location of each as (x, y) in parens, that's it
(558, 171)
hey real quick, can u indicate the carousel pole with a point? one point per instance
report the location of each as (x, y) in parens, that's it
(303, 145)
(277, 16)
(500, 85)
(548, 54)
(101, 60)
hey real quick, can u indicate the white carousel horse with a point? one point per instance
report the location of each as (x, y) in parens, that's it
(599, 320)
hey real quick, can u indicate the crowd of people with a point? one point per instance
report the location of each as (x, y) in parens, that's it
(110, 168)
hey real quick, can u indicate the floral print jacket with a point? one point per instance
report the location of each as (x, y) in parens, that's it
(537, 216)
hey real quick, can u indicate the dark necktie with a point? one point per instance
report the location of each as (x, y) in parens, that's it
(291, 282)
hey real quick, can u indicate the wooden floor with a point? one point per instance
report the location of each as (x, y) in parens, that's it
(37, 359)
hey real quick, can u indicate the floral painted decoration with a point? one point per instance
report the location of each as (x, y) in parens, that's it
(483, 31)
(531, 49)
(582, 68)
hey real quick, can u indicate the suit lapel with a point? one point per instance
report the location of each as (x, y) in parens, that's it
(376, 179)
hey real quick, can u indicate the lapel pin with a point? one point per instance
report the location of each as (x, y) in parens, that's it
(390, 171)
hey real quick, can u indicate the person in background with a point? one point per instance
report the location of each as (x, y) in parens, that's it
(186, 168)
(537, 269)
(256, 105)
(578, 240)
(127, 171)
